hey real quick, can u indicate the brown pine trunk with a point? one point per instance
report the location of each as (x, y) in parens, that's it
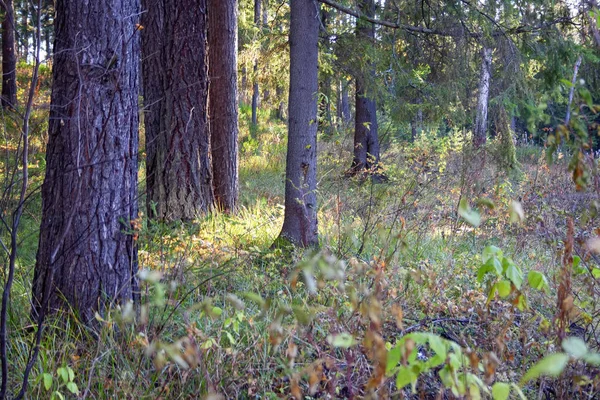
(9, 58)
(300, 219)
(182, 165)
(366, 138)
(255, 89)
(86, 260)
(153, 66)
(222, 22)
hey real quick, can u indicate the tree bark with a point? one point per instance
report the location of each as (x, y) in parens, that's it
(153, 65)
(9, 58)
(180, 162)
(572, 90)
(366, 139)
(86, 260)
(480, 131)
(255, 88)
(300, 218)
(223, 105)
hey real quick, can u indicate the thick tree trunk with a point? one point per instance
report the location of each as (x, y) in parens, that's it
(300, 219)
(366, 139)
(9, 58)
(153, 66)
(86, 260)
(223, 106)
(180, 162)
(255, 88)
(480, 131)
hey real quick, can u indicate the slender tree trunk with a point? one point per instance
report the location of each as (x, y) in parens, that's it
(9, 58)
(223, 106)
(300, 219)
(182, 165)
(24, 31)
(366, 140)
(344, 107)
(255, 89)
(86, 260)
(572, 91)
(281, 107)
(153, 75)
(480, 131)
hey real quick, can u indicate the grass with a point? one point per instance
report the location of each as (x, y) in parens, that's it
(227, 315)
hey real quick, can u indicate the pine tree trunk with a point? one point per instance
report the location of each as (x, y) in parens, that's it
(9, 58)
(366, 139)
(181, 163)
(86, 260)
(222, 32)
(255, 88)
(300, 219)
(480, 132)
(153, 71)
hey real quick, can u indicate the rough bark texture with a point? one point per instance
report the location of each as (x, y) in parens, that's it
(153, 66)
(9, 58)
(86, 259)
(300, 220)
(223, 106)
(181, 165)
(366, 140)
(480, 132)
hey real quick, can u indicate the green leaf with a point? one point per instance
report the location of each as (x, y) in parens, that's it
(489, 252)
(404, 377)
(72, 387)
(552, 365)
(504, 288)
(230, 338)
(575, 347)
(47, 381)
(500, 391)
(596, 272)
(217, 311)
(71, 374)
(62, 372)
(592, 359)
(515, 275)
(393, 358)
(537, 280)
(470, 216)
(343, 340)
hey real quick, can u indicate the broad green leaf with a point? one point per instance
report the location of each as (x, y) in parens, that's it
(62, 372)
(596, 272)
(500, 391)
(230, 338)
(489, 252)
(343, 340)
(552, 365)
(56, 394)
(504, 288)
(537, 280)
(217, 311)
(404, 377)
(47, 381)
(71, 374)
(393, 358)
(72, 387)
(470, 216)
(437, 345)
(592, 358)
(575, 347)
(515, 275)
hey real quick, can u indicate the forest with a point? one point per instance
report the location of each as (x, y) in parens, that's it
(300, 199)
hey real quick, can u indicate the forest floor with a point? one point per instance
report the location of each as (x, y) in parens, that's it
(389, 306)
